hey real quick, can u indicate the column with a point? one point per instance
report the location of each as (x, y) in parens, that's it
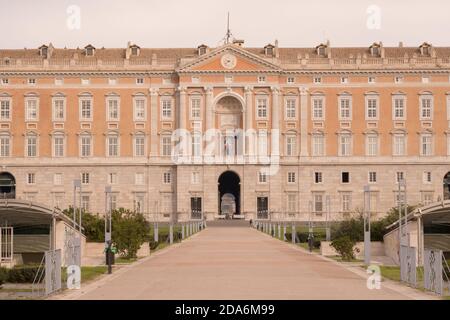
(182, 108)
(154, 122)
(209, 112)
(249, 145)
(275, 120)
(303, 122)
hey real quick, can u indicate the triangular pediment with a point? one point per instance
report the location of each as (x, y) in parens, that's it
(229, 58)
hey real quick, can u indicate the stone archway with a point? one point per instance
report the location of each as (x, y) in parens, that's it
(446, 186)
(229, 192)
(229, 120)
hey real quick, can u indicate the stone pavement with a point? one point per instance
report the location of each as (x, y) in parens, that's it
(236, 262)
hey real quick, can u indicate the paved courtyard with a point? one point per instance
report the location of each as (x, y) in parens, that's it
(236, 262)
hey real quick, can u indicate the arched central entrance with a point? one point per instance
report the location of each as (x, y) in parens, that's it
(229, 194)
(7, 186)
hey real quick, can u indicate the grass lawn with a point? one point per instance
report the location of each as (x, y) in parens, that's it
(125, 260)
(306, 246)
(88, 273)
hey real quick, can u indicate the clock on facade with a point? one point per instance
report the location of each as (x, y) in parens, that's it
(228, 61)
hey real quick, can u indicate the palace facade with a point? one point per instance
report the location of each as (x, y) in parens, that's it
(285, 133)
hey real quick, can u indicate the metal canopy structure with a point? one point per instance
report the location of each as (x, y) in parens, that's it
(435, 217)
(15, 213)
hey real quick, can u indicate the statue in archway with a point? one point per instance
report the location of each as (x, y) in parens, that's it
(228, 206)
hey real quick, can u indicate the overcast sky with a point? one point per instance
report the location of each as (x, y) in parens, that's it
(188, 23)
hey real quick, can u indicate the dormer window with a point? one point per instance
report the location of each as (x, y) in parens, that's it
(321, 50)
(375, 50)
(202, 49)
(134, 50)
(89, 50)
(268, 50)
(43, 51)
(425, 49)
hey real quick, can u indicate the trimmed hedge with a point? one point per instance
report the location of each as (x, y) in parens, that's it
(19, 274)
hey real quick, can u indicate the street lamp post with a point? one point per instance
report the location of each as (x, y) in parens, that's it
(367, 253)
(327, 222)
(108, 228)
(310, 227)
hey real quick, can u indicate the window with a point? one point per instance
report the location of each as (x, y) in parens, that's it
(345, 144)
(112, 81)
(113, 146)
(139, 80)
(426, 107)
(426, 148)
(85, 145)
(372, 177)
(398, 79)
(32, 109)
(345, 177)
(58, 179)
(167, 177)
(32, 81)
(139, 178)
(318, 112)
(448, 107)
(427, 198)
(344, 80)
(166, 146)
(166, 108)
(85, 82)
(5, 81)
(262, 108)
(372, 144)
(345, 111)
(5, 145)
(318, 203)
(112, 178)
(113, 201)
(228, 79)
(58, 145)
(399, 176)
(139, 145)
(399, 111)
(31, 178)
(59, 109)
(58, 199)
(291, 177)
(5, 110)
(399, 144)
(290, 80)
(372, 108)
(425, 79)
(318, 145)
(195, 107)
(291, 145)
(139, 109)
(139, 202)
(317, 80)
(85, 203)
(318, 177)
(31, 145)
(59, 82)
(85, 109)
(290, 108)
(262, 177)
(261, 79)
(371, 80)
(85, 178)
(195, 79)
(195, 177)
(196, 144)
(346, 201)
(113, 109)
(427, 177)
(292, 202)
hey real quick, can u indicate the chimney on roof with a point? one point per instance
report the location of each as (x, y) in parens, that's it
(277, 52)
(400, 44)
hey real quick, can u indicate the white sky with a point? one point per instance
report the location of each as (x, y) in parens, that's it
(188, 23)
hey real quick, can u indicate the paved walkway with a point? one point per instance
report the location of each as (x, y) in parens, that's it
(238, 263)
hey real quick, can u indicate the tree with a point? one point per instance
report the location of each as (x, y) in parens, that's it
(129, 231)
(344, 246)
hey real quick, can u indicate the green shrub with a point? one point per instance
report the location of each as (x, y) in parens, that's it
(22, 274)
(3, 275)
(153, 245)
(344, 246)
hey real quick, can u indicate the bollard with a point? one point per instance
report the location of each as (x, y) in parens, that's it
(293, 235)
(155, 232)
(171, 233)
(182, 231)
(190, 228)
(284, 232)
(279, 231)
